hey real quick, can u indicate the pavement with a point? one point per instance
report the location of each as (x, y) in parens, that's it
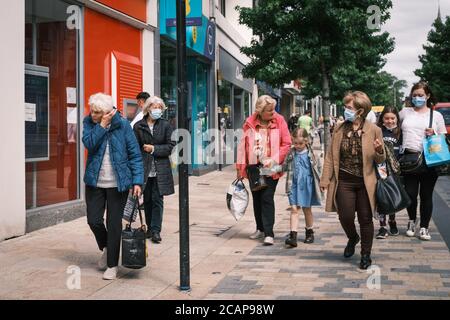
(60, 262)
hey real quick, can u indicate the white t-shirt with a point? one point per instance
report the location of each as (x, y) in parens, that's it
(413, 126)
(138, 117)
(372, 117)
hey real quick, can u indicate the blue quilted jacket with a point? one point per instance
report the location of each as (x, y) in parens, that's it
(125, 153)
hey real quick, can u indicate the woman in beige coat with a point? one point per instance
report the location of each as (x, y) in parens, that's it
(349, 174)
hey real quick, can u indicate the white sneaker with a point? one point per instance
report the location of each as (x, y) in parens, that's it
(411, 228)
(110, 273)
(256, 235)
(103, 262)
(424, 234)
(268, 241)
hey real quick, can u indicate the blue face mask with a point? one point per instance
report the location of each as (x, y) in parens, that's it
(349, 115)
(156, 114)
(419, 101)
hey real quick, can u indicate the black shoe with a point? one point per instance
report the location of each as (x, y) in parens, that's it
(156, 238)
(309, 236)
(382, 233)
(366, 262)
(148, 234)
(393, 228)
(292, 240)
(350, 248)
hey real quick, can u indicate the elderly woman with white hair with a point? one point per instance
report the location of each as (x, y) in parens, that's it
(265, 144)
(113, 167)
(154, 136)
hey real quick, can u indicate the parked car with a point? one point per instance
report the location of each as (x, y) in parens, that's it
(444, 109)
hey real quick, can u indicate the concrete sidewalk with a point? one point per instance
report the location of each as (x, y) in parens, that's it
(225, 264)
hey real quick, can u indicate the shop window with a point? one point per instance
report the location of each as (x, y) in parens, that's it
(247, 105)
(52, 104)
(222, 7)
(169, 86)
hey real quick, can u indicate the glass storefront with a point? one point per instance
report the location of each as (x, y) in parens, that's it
(198, 100)
(52, 104)
(169, 85)
(234, 106)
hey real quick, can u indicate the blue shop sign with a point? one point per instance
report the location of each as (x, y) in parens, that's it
(168, 13)
(200, 37)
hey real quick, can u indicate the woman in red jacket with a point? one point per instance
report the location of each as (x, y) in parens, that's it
(266, 143)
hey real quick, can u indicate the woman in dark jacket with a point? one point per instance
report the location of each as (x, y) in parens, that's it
(154, 137)
(114, 165)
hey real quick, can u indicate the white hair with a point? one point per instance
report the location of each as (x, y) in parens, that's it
(101, 102)
(151, 101)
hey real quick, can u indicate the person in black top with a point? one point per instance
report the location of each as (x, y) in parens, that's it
(389, 121)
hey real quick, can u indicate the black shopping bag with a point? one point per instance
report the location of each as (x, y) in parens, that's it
(391, 195)
(134, 244)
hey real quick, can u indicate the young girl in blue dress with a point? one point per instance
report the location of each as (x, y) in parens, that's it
(302, 185)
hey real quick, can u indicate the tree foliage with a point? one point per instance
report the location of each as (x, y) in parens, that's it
(436, 60)
(326, 43)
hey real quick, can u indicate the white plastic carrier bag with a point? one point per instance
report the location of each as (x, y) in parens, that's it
(237, 199)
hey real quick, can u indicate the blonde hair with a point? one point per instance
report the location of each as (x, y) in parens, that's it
(264, 101)
(151, 101)
(100, 102)
(360, 101)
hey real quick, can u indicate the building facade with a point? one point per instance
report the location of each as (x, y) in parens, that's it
(71, 50)
(62, 51)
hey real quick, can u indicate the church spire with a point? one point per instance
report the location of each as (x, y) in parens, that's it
(439, 11)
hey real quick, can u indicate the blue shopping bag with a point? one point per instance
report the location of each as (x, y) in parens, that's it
(435, 150)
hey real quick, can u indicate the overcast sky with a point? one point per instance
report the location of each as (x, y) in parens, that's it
(410, 23)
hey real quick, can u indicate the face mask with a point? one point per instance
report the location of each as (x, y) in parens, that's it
(391, 128)
(156, 114)
(349, 115)
(419, 101)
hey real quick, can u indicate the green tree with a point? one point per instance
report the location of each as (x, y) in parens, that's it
(436, 60)
(316, 40)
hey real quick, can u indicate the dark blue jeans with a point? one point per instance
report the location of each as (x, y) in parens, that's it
(153, 205)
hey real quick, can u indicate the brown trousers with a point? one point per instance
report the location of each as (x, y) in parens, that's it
(351, 197)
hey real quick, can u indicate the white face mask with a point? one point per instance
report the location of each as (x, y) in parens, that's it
(156, 114)
(390, 128)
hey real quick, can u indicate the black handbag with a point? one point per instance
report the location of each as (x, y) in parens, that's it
(134, 244)
(390, 194)
(257, 181)
(413, 162)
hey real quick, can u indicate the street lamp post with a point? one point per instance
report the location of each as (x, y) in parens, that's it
(395, 100)
(183, 167)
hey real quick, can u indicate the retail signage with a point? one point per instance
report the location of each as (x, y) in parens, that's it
(200, 31)
(231, 70)
(193, 12)
(36, 113)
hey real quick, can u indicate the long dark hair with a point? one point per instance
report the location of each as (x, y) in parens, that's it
(390, 109)
(423, 85)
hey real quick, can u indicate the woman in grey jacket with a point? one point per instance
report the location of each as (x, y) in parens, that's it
(154, 136)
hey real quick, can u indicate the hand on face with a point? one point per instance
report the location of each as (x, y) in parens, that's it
(106, 118)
